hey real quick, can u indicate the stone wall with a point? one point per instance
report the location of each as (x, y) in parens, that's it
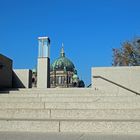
(5, 72)
(116, 79)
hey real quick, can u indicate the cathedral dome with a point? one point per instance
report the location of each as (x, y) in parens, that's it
(62, 63)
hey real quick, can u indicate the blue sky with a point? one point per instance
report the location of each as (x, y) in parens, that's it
(89, 30)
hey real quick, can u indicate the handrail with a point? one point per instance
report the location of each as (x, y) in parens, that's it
(137, 93)
(89, 85)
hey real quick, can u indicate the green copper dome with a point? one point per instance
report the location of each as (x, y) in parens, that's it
(62, 63)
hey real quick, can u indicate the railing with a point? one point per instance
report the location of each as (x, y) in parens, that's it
(135, 92)
(89, 85)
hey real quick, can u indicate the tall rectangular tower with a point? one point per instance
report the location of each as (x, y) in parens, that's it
(43, 66)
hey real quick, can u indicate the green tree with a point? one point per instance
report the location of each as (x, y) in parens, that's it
(128, 54)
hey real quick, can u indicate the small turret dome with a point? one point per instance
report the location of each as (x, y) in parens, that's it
(75, 78)
(34, 70)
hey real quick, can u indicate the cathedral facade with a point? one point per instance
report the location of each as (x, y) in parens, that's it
(62, 73)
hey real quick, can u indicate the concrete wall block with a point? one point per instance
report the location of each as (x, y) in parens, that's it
(125, 76)
(22, 78)
(5, 72)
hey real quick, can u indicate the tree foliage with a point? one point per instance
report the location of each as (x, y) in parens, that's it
(128, 54)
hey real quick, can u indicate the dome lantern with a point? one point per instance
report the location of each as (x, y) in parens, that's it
(62, 53)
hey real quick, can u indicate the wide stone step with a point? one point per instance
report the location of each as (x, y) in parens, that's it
(29, 126)
(98, 94)
(105, 127)
(71, 91)
(109, 127)
(65, 136)
(20, 99)
(55, 90)
(25, 114)
(66, 94)
(45, 95)
(95, 114)
(77, 94)
(21, 105)
(91, 99)
(18, 95)
(45, 105)
(50, 92)
(121, 92)
(104, 105)
(22, 95)
(70, 99)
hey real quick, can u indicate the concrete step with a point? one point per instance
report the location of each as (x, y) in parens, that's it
(25, 114)
(20, 99)
(42, 94)
(18, 95)
(55, 90)
(28, 126)
(105, 127)
(96, 114)
(21, 105)
(69, 91)
(70, 99)
(71, 114)
(104, 105)
(65, 136)
(45, 105)
(50, 92)
(57, 98)
(62, 95)
(98, 94)
(91, 99)
(46, 95)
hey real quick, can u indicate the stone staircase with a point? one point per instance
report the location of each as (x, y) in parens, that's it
(69, 110)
